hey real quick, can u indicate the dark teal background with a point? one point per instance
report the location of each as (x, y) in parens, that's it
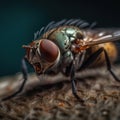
(19, 20)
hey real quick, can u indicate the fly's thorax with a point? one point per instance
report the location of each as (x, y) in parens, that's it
(67, 58)
(64, 36)
(42, 54)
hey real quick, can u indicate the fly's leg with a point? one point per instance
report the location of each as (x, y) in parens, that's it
(91, 59)
(72, 77)
(25, 75)
(81, 60)
(94, 56)
(109, 66)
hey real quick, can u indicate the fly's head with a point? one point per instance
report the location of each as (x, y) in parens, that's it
(42, 54)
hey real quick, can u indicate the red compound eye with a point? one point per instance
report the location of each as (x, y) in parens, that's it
(48, 50)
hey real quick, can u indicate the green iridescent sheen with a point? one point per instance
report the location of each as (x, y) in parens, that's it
(68, 57)
(65, 36)
(62, 41)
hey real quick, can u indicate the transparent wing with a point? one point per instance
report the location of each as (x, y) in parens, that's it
(99, 36)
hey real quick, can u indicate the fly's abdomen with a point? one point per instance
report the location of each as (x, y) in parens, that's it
(111, 49)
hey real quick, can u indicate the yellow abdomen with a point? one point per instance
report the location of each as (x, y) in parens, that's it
(111, 50)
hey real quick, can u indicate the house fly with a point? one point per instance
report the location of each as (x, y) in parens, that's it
(69, 46)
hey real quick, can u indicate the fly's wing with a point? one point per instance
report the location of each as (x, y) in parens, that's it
(99, 36)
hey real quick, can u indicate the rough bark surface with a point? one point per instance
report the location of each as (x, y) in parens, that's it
(51, 98)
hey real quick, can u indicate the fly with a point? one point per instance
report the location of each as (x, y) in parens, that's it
(69, 46)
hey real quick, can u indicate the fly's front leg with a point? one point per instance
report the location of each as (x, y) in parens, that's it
(25, 75)
(24, 70)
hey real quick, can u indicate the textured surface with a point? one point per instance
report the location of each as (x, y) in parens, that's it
(97, 88)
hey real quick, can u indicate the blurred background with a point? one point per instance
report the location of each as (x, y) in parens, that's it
(20, 20)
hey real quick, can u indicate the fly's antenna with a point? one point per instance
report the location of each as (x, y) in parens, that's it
(27, 46)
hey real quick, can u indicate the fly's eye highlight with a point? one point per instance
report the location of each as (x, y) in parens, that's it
(48, 50)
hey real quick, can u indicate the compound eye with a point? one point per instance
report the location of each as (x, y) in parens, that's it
(49, 50)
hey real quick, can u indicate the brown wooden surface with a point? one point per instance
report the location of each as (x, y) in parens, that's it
(39, 101)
